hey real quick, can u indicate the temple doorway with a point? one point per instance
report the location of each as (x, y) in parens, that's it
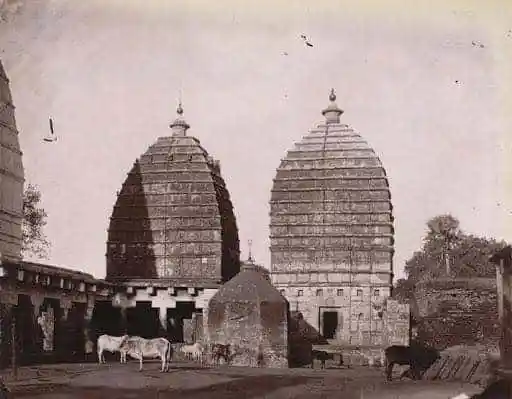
(329, 322)
(181, 322)
(143, 320)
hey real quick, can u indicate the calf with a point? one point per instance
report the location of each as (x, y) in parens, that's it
(221, 350)
(418, 357)
(140, 348)
(195, 351)
(109, 343)
(322, 356)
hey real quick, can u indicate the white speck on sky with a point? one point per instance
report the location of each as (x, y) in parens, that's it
(435, 107)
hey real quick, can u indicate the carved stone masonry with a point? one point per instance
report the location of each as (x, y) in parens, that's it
(65, 305)
(89, 345)
(47, 323)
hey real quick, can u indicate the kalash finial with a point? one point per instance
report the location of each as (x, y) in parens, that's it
(332, 113)
(179, 126)
(249, 244)
(332, 96)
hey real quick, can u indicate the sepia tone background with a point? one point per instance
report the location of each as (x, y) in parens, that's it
(414, 80)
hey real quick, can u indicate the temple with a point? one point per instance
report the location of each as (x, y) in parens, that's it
(11, 176)
(172, 239)
(331, 231)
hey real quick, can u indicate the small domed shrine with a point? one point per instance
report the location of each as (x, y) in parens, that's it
(331, 231)
(172, 239)
(11, 176)
(252, 316)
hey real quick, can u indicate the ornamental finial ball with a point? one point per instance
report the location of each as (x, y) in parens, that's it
(332, 96)
(180, 109)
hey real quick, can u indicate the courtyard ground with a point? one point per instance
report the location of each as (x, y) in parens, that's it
(187, 380)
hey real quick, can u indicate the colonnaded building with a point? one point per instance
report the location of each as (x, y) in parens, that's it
(331, 231)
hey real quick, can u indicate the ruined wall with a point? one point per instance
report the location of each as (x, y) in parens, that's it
(257, 333)
(396, 319)
(458, 311)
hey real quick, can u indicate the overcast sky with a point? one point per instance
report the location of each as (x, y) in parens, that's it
(433, 105)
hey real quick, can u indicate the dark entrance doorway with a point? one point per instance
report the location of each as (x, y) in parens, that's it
(180, 321)
(329, 324)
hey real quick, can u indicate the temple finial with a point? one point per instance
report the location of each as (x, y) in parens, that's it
(332, 113)
(179, 126)
(249, 243)
(332, 96)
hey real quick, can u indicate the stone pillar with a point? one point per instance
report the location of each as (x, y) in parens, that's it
(89, 344)
(5, 333)
(162, 315)
(124, 321)
(37, 300)
(63, 331)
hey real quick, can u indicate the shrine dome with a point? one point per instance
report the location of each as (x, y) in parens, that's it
(11, 176)
(330, 207)
(173, 218)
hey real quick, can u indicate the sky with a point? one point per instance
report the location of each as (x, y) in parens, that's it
(428, 86)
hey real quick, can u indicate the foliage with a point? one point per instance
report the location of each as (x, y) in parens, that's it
(35, 243)
(467, 255)
(403, 291)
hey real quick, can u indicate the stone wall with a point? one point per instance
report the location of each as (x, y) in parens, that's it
(458, 312)
(258, 334)
(396, 317)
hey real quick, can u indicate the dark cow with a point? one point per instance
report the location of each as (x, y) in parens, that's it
(418, 357)
(4, 391)
(322, 356)
(221, 350)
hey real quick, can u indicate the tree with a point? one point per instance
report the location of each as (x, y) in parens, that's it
(35, 243)
(444, 229)
(448, 251)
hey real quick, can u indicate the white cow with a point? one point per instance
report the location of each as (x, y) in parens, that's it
(109, 343)
(194, 351)
(140, 348)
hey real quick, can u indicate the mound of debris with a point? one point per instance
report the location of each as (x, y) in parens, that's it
(473, 364)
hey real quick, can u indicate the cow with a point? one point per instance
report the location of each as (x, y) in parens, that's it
(140, 348)
(221, 350)
(418, 357)
(322, 356)
(4, 391)
(194, 351)
(123, 350)
(109, 343)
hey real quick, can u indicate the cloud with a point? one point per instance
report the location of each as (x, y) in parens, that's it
(8, 9)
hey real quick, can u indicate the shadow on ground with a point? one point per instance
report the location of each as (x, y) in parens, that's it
(246, 387)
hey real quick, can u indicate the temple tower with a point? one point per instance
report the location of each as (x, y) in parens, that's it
(173, 238)
(331, 231)
(11, 176)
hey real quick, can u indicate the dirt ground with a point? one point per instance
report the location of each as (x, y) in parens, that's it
(186, 380)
